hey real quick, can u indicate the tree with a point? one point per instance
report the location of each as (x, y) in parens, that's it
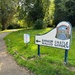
(58, 14)
(24, 8)
(64, 10)
(46, 19)
(7, 10)
(30, 11)
(48, 7)
(70, 6)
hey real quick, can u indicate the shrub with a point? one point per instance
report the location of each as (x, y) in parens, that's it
(38, 24)
(13, 26)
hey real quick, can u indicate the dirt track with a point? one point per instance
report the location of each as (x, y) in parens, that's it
(7, 64)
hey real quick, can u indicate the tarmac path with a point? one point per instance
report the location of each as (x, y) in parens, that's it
(8, 65)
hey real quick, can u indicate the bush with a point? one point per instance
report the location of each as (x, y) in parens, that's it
(13, 26)
(38, 24)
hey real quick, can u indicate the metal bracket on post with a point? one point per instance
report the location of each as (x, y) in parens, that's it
(66, 56)
(38, 50)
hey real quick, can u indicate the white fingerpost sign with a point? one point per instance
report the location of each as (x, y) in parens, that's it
(58, 37)
(26, 38)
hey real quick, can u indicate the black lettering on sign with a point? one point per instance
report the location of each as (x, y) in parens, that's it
(47, 42)
(61, 44)
(67, 46)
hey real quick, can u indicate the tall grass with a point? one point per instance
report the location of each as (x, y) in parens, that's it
(51, 61)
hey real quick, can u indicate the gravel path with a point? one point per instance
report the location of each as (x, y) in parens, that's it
(7, 64)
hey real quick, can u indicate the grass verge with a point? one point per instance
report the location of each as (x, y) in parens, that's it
(51, 61)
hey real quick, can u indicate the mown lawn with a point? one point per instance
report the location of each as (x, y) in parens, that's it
(51, 61)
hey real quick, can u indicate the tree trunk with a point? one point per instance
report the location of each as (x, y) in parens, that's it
(3, 27)
(3, 24)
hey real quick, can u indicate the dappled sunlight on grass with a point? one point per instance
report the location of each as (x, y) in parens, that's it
(33, 47)
(45, 31)
(10, 30)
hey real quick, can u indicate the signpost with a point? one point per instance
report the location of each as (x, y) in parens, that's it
(26, 38)
(59, 37)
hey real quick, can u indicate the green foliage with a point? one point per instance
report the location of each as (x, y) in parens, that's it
(49, 8)
(38, 24)
(57, 13)
(13, 26)
(64, 10)
(27, 12)
(7, 10)
(22, 23)
(33, 11)
(36, 12)
(51, 61)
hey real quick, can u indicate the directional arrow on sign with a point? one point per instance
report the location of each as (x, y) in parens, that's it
(38, 41)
